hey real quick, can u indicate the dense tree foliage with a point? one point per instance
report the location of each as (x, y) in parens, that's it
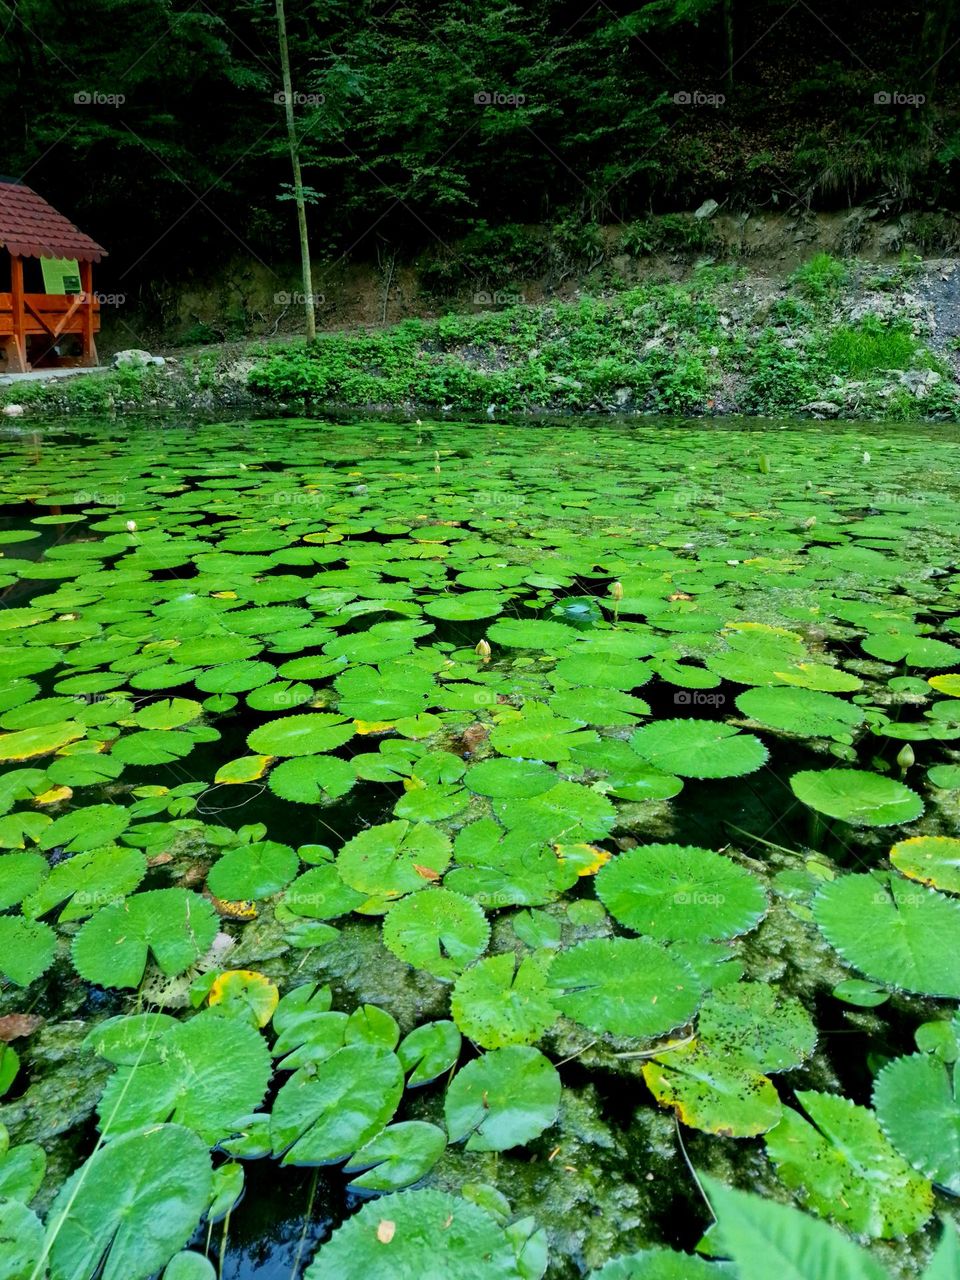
(156, 122)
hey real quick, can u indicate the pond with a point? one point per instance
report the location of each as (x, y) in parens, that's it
(559, 819)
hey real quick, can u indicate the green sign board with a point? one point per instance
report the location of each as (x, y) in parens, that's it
(60, 275)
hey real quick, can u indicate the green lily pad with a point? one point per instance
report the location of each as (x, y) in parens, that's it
(672, 892)
(504, 1099)
(842, 1167)
(499, 1002)
(699, 748)
(627, 986)
(857, 797)
(438, 931)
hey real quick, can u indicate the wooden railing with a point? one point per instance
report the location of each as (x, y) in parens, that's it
(49, 313)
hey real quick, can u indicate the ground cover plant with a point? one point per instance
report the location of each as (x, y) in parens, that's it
(451, 849)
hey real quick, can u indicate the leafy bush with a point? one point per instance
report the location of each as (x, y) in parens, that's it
(671, 233)
(779, 377)
(821, 278)
(871, 346)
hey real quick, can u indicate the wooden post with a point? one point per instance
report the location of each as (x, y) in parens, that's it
(17, 350)
(88, 355)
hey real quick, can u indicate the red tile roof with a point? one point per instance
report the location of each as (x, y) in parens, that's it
(31, 228)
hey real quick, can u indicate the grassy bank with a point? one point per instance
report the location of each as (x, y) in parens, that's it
(833, 339)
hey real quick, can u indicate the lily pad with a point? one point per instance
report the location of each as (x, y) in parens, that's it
(842, 1167)
(627, 986)
(499, 1002)
(699, 748)
(672, 892)
(857, 797)
(438, 931)
(504, 1099)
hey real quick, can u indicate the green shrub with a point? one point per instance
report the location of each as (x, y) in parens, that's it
(780, 378)
(821, 278)
(856, 351)
(492, 259)
(670, 233)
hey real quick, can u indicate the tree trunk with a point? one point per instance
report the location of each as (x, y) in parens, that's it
(311, 318)
(937, 21)
(728, 43)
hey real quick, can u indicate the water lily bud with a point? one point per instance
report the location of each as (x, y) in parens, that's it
(131, 526)
(616, 590)
(419, 423)
(483, 650)
(809, 522)
(906, 757)
(436, 468)
(866, 456)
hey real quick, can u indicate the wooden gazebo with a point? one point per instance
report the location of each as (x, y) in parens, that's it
(35, 324)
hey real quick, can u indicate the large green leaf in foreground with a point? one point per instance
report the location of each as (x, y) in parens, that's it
(136, 1202)
(417, 1235)
(894, 931)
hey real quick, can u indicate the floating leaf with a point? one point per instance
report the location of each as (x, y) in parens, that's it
(710, 1092)
(320, 894)
(756, 1024)
(322, 1115)
(300, 735)
(384, 860)
(134, 1203)
(510, 779)
(503, 1099)
(801, 711)
(20, 874)
(27, 948)
(628, 986)
(843, 1167)
(250, 994)
(858, 797)
(417, 1234)
(439, 931)
(513, 869)
(672, 892)
(399, 1155)
(208, 1074)
(894, 932)
(428, 1051)
(312, 779)
(253, 871)
(930, 859)
(86, 882)
(919, 1111)
(174, 925)
(498, 1002)
(699, 748)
